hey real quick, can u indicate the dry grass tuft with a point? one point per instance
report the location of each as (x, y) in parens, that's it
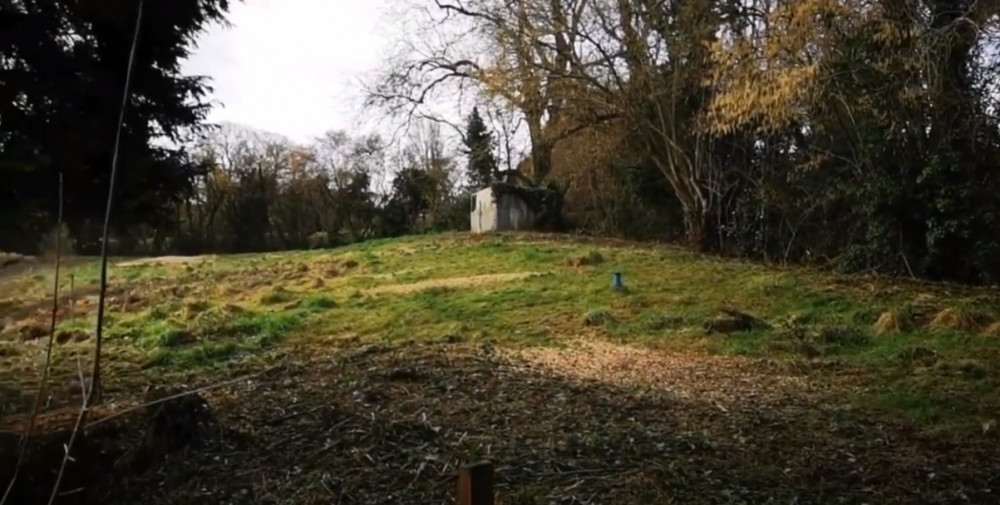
(733, 321)
(598, 317)
(993, 330)
(954, 320)
(891, 322)
(28, 332)
(276, 295)
(74, 335)
(591, 258)
(193, 308)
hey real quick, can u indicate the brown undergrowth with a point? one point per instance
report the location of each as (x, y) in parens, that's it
(591, 423)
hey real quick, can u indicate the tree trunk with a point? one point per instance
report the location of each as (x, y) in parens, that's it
(541, 149)
(702, 230)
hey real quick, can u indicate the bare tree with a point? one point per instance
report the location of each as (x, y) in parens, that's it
(511, 55)
(565, 65)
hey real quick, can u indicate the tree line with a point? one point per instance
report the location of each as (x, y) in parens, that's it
(858, 133)
(187, 186)
(263, 192)
(861, 134)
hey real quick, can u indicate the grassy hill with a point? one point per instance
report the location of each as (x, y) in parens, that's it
(765, 363)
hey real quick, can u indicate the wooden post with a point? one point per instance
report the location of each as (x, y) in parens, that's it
(475, 484)
(72, 298)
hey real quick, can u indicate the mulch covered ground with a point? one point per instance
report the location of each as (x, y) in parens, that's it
(591, 423)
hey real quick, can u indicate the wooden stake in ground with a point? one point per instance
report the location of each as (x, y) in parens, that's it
(72, 298)
(475, 484)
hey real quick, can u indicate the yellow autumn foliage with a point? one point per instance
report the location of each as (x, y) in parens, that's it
(770, 76)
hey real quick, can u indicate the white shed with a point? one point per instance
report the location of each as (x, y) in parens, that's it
(496, 212)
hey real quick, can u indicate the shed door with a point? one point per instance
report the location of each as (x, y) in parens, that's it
(515, 215)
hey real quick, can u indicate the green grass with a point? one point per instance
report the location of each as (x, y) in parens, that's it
(220, 311)
(320, 303)
(275, 296)
(180, 349)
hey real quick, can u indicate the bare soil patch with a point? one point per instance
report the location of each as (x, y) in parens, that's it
(724, 381)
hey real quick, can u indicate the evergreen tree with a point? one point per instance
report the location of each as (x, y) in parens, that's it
(482, 165)
(61, 82)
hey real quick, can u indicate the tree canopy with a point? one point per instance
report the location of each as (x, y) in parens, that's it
(860, 133)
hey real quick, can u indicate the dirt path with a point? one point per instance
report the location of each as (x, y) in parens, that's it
(451, 282)
(167, 260)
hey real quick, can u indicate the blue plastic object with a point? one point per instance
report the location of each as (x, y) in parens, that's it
(618, 280)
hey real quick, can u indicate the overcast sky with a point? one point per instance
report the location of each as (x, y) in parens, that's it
(292, 66)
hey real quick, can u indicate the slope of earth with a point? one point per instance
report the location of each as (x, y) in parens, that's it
(381, 366)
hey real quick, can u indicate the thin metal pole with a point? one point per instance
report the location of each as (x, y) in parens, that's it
(95, 376)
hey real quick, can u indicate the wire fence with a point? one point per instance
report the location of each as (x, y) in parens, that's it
(64, 388)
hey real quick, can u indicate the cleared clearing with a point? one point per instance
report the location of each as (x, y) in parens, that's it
(382, 366)
(724, 381)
